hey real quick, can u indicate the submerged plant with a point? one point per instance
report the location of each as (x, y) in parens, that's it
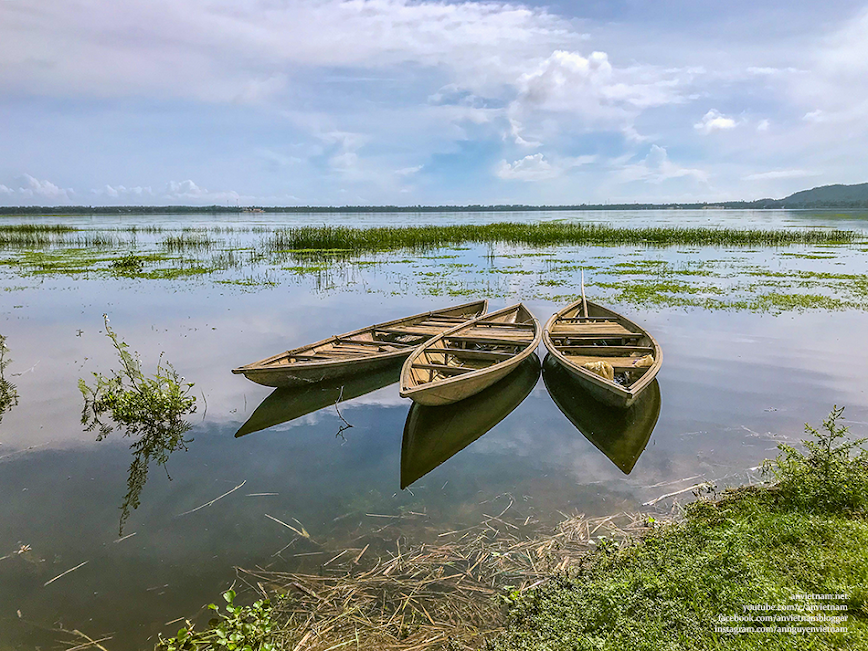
(833, 475)
(150, 409)
(8, 392)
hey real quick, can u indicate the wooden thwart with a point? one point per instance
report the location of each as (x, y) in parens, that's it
(606, 350)
(444, 368)
(495, 341)
(469, 353)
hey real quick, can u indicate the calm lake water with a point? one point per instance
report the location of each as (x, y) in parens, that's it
(733, 385)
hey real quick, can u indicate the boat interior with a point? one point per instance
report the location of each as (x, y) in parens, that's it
(377, 340)
(603, 337)
(483, 343)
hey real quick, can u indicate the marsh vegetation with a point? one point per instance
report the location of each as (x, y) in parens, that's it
(673, 268)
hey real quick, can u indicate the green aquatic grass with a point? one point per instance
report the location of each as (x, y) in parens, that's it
(544, 234)
(188, 241)
(29, 236)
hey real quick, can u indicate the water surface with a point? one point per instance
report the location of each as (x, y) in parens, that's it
(734, 384)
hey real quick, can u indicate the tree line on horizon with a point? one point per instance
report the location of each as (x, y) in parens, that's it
(180, 210)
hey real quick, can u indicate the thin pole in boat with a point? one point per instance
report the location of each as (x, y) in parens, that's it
(584, 300)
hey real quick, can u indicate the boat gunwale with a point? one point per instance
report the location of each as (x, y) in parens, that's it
(267, 364)
(519, 357)
(628, 393)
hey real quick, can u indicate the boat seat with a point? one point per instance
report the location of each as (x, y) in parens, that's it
(469, 353)
(444, 368)
(493, 341)
(606, 351)
(594, 328)
(411, 330)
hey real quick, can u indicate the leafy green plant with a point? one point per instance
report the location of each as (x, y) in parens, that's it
(833, 475)
(128, 264)
(241, 628)
(151, 410)
(8, 392)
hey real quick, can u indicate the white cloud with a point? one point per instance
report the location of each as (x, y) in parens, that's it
(533, 167)
(5, 190)
(120, 191)
(779, 174)
(714, 120)
(515, 129)
(408, 171)
(276, 158)
(189, 191)
(763, 125)
(590, 86)
(656, 168)
(769, 72)
(34, 188)
(242, 52)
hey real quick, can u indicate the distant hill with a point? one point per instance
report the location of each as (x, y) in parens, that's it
(832, 195)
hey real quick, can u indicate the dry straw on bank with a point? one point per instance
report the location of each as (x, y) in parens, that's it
(449, 594)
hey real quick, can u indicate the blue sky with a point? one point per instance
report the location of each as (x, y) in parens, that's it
(330, 102)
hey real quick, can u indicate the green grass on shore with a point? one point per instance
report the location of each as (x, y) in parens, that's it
(670, 590)
(683, 586)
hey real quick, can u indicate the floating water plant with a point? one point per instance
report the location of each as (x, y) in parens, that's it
(151, 410)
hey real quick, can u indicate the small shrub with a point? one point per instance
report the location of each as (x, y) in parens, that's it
(832, 476)
(151, 410)
(8, 392)
(241, 628)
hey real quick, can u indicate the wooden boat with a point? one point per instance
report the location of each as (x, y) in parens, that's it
(463, 361)
(358, 351)
(433, 435)
(621, 434)
(285, 404)
(576, 340)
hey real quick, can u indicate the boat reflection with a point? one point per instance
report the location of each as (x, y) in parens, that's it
(432, 435)
(620, 434)
(284, 405)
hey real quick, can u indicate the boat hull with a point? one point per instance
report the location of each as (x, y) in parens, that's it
(603, 390)
(446, 391)
(433, 435)
(450, 394)
(299, 376)
(286, 371)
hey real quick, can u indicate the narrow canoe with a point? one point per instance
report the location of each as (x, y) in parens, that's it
(470, 357)
(621, 434)
(433, 435)
(360, 351)
(576, 339)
